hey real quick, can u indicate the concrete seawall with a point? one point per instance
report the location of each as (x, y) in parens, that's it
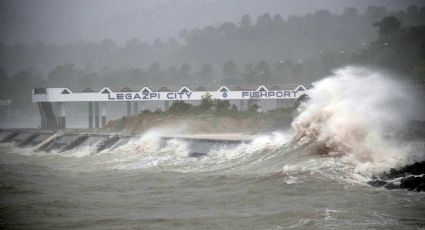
(65, 140)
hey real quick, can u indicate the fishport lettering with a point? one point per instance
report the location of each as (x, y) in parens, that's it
(269, 94)
(134, 96)
(179, 95)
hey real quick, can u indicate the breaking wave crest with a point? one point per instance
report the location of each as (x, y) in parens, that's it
(356, 114)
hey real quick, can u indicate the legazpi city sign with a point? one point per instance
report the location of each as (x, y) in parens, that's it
(146, 94)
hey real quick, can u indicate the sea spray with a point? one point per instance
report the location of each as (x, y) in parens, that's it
(352, 114)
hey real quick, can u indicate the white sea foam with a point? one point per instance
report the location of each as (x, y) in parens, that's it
(352, 114)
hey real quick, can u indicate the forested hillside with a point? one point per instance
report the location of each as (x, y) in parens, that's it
(266, 50)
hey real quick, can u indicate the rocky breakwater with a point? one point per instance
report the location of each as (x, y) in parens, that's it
(410, 177)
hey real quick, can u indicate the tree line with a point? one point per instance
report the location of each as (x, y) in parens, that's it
(270, 50)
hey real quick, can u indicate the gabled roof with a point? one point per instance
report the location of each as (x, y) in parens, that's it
(262, 88)
(146, 90)
(223, 89)
(66, 91)
(300, 88)
(184, 89)
(105, 90)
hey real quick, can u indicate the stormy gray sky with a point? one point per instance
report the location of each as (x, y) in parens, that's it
(62, 21)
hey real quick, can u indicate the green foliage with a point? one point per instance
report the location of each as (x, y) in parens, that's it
(180, 107)
(233, 108)
(402, 52)
(253, 107)
(66, 75)
(222, 105)
(302, 99)
(230, 69)
(207, 71)
(207, 103)
(145, 111)
(120, 125)
(21, 85)
(388, 25)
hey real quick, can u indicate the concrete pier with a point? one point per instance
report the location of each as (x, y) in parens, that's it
(241, 105)
(67, 140)
(49, 119)
(166, 105)
(43, 120)
(96, 115)
(136, 108)
(103, 113)
(90, 115)
(128, 108)
(61, 115)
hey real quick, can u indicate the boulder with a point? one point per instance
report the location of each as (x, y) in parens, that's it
(392, 186)
(411, 183)
(410, 174)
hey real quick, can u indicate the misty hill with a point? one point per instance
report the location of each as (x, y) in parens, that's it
(268, 50)
(269, 38)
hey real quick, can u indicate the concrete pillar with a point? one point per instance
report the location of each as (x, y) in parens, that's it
(62, 115)
(90, 115)
(50, 117)
(96, 115)
(141, 106)
(241, 105)
(166, 106)
(128, 108)
(43, 120)
(136, 107)
(103, 113)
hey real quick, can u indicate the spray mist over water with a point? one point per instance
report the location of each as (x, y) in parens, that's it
(353, 113)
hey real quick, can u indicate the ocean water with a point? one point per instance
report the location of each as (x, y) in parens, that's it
(252, 187)
(313, 176)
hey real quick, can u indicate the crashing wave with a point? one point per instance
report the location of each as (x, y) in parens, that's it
(353, 114)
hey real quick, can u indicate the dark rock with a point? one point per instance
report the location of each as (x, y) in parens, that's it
(417, 168)
(421, 186)
(409, 174)
(394, 173)
(391, 186)
(410, 183)
(377, 183)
